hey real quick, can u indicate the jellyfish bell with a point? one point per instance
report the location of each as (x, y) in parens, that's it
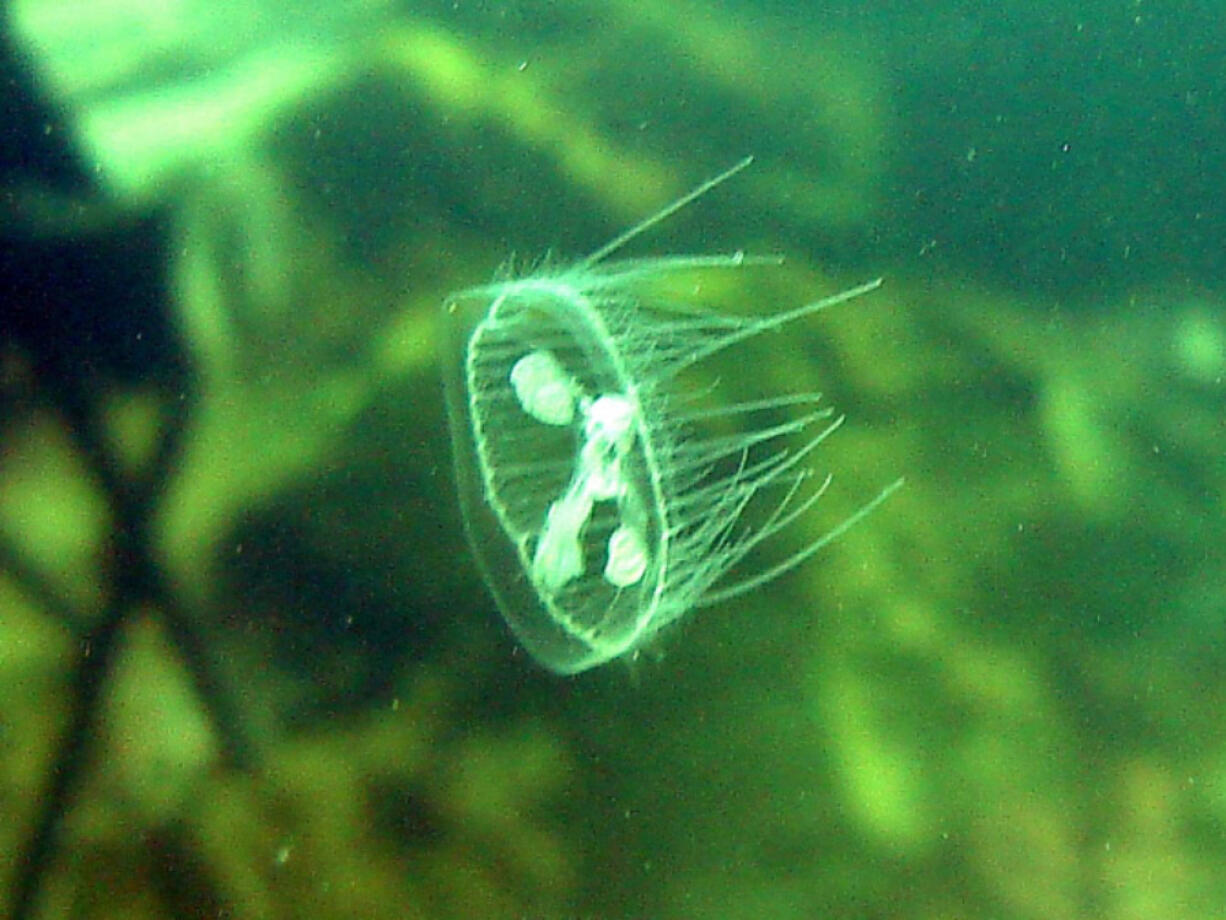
(598, 508)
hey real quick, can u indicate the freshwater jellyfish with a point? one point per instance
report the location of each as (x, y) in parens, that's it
(597, 501)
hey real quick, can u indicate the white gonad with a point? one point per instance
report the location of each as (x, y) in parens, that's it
(597, 510)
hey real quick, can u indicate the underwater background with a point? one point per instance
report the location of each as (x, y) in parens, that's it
(248, 665)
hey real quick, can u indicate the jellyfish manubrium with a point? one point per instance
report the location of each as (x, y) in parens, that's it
(602, 501)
